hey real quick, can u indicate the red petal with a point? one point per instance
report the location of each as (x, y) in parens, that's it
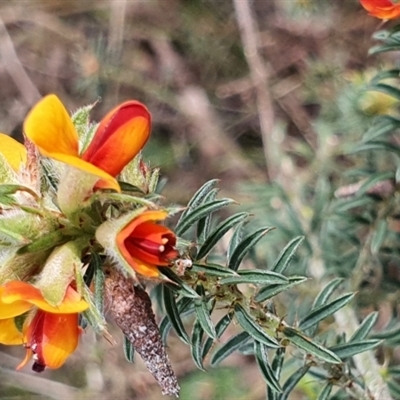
(120, 136)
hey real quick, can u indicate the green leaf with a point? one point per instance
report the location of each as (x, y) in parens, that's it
(375, 145)
(277, 361)
(197, 337)
(287, 254)
(129, 350)
(185, 306)
(326, 292)
(346, 350)
(247, 322)
(309, 346)
(379, 236)
(365, 327)
(387, 89)
(292, 381)
(213, 270)
(245, 245)
(220, 328)
(390, 335)
(201, 212)
(348, 204)
(260, 351)
(219, 232)
(235, 239)
(204, 224)
(394, 371)
(383, 126)
(203, 316)
(270, 291)
(324, 311)
(229, 347)
(255, 276)
(197, 199)
(394, 388)
(99, 286)
(181, 287)
(325, 392)
(173, 314)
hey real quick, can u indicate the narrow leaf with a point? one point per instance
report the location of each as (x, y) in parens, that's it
(214, 270)
(324, 311)
(219, 232)
(309, 346)
(197, 199)
(235, 239)
(197, 337)
(201, 212)
(185, 307)
(257, 277)
(383, 126)
(203, 317)
(270, 291)
(173, 314)
(204, 224)
(220, 328)
(181, 287)
(374, 145)
(260, 351)
(346, 350)
(129, 350)
(229, 347)
(326, 292)
(379, 236)
(325, 392)
(293, 380)
(286, 256)
(244, 246)
(365, 328)
(249, 325)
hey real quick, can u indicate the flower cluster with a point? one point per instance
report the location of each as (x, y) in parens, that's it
(62, 210)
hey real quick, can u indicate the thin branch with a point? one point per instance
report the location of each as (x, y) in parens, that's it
(260, 78)
(14, 68)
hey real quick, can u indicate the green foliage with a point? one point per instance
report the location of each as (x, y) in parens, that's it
(198, 290)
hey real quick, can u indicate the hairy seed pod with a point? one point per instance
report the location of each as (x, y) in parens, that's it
(130, 307)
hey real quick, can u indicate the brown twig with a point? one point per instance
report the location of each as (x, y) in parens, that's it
(259, 75)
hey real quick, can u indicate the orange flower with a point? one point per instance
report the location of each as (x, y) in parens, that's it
(383, 9)
(50, 333)
(50, 339)
(139, 243)
(118, 139)
(146, 245)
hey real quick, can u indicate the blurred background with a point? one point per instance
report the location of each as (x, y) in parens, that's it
(244, 91)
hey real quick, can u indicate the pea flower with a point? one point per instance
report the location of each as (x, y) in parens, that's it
(50, 333)
(383, 9)
(137, 243)
(119, 137)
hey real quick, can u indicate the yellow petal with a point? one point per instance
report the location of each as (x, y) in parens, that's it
(50, 128)
(9, 334)
(13, 151)
(12, 309)
(16, 293)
